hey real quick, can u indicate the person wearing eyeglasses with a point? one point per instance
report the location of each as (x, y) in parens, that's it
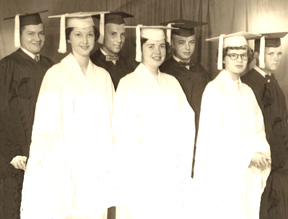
(272, 102)
(232, 165)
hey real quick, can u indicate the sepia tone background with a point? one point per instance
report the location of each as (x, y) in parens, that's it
(222, 16)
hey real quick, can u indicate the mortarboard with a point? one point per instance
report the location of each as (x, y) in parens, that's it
(77, 19)
(185, 28)
(23, 20)
(231, 40)
(148, 32)
(267, 40)
(113, 17)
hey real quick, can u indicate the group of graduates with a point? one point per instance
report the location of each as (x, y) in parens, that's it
(95, 131)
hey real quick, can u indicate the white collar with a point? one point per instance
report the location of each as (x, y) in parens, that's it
(29, 53)
(263, 73)
(177, 59)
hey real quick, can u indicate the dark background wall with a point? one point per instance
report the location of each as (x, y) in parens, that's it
(223, 16)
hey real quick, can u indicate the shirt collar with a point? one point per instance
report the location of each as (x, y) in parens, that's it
(106, 54)
(28, 53)
(263, 73)
(177, 59)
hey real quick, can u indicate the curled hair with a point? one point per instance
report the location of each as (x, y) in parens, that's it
(249, 52)
(70, 29)
(144, 40)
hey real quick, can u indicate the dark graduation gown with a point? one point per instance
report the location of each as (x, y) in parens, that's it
(20, 80)
(117, 71)
(193, 83)
(272, 102)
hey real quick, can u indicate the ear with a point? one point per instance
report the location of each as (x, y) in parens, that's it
(69, 41)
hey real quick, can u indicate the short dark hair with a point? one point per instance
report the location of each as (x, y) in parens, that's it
(249, 51)
(69, 30)
(144, 40)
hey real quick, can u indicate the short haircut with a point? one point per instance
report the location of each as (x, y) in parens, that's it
(69, 30)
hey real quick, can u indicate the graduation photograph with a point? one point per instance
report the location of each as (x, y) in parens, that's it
(137, 109)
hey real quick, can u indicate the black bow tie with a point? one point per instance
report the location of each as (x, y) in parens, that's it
(186, 63)
(268, 77)
(111, 58)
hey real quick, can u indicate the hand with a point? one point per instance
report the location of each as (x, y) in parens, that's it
(19, 162)
(260, 160)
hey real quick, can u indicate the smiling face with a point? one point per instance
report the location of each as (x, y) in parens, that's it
(114, 38)
(32, 38)
(272, 58)
(238, 66)
(183, 47)
(154, 52)
(82, 40)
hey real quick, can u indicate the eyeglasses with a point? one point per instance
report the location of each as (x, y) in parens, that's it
(234, 56)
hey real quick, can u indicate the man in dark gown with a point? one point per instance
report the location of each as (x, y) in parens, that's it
(21, 74)
(108, 56)
(192, 76)
(272, 102)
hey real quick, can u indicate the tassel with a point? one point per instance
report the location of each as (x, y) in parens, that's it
(101, 29)
(138, 43)
(220, 53)
(17, 43)
(261, 52)
(169, 33)
(62, 43)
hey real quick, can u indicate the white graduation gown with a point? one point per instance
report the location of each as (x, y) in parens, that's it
(154, 131)
(231, 130)
(66, 173)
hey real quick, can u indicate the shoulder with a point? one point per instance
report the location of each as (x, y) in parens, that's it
(214, 87)
(47, 60)
(167, 64)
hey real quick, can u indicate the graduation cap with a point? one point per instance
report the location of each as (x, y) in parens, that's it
(77, 19)
(22, 20)
(185, 28)
(267, 40)
(148, 32)
(231, 40)
(113, 17)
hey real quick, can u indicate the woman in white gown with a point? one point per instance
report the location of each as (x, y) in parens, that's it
(233, 156)
(66, 175)
(154, 134)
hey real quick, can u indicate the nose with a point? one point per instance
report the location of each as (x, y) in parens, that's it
(119, 38)
(187, 46)
(239, 59)
(37, 37)
(85, 40)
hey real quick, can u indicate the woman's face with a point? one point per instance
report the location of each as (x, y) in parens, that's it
(82, 40)
(238, 65)
(154, 52)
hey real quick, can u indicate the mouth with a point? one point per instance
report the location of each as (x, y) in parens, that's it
(157, 58)
(85, 47)
(239, 66)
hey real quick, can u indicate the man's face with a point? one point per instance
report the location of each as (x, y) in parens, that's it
(272, 58)
(32, 38)
(183, 47)
(114, 38)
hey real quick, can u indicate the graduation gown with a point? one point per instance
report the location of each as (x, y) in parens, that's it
(153, 126)
(272, 102)
(66, 172)
(20, 80)
(117, 71)
(231, 130)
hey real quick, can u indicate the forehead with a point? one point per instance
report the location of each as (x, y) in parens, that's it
(115, 27)
(154, 42)
(32, 27)
(188, 38)
(273, 49)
